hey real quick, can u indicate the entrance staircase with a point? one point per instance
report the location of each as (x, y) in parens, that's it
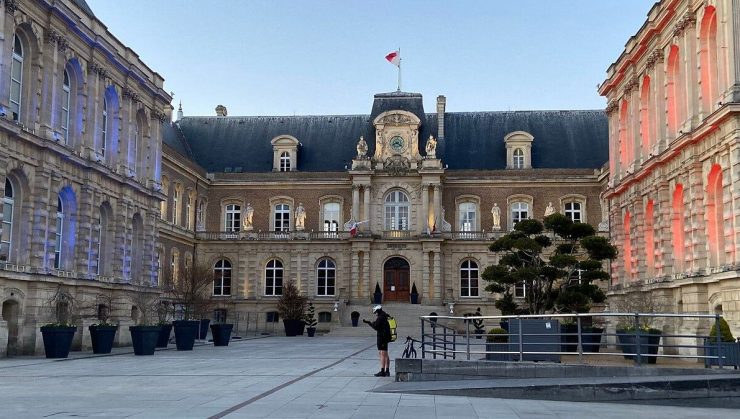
(406, 315)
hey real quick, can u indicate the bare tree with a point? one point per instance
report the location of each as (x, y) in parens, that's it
(146, 301)
(191, 290)
(61, 307)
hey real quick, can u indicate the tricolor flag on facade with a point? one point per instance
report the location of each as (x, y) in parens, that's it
(353, 229)
(394, 58)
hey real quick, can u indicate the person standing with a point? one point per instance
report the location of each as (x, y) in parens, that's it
(383, 330)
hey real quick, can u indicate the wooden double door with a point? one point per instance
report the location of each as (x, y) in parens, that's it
(396, 278)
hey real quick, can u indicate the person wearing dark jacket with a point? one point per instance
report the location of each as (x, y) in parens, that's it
(383, 330)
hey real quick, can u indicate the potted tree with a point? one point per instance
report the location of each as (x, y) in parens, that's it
(58, 334)
(727, 348)
(414, 294)
(144, 334)
(497, 342)
(103, 333)
(355, 318)
(163, 340)
(220, 329)
(291, 307)
(191, 295)
(310, 320)
(377, 295)
(478, 324)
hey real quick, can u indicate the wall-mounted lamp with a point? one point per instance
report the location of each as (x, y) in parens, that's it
(336, 305)
(452, 308)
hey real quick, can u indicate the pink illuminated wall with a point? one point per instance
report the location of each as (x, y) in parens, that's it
(645, 106)
(715, 210)
(627, 248)
(649, 237)
(708, 59)
(625, 139)
(674, 93)
(677, 229)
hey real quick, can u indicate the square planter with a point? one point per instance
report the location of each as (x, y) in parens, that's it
(185, 333)
(649, 344)
(102, 338)
(163, 340)
(57, 340)
(221, 334)
(144, 339)
(498, 347)
(729, 350)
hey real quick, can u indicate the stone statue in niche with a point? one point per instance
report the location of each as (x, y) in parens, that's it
(550, 210)
(199, 222)
(248, 214)
(300, 218)
(431, 147)
(361, 147)
(496, 214)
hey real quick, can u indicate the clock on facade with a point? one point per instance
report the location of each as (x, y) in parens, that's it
(397, 143)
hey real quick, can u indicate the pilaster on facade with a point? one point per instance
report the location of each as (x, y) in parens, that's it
(366, 207)
(40, 227)
(639, 248)
(664, 260)
(697, 227)
(86, 228)
(120, 239)
(734, 215)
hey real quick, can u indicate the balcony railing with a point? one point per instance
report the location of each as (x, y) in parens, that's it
(272, 235)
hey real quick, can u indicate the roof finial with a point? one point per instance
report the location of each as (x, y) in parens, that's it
(179, 112)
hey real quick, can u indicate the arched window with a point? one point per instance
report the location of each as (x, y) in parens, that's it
(715, 217)
(274, 277)
(519, 212)
(232, 218)
(708, 59)
(16, 78)
(331, 216)
(6, 239)
(222, 278)
(104, 128)
(573, 211)
(645, 109)
(59, 235)
(66, 102)
(177, 190)
(649, 234)
(282, 217)
(625, 139)
(189, 210)
(396, 211)
(104, 235)
(674, 94)
(518, 159)
(285, 161)
(163, 204)
(137, 247)
(325, 277)
(468, 216)
(627, 245)
(469, 279)
(677, 224)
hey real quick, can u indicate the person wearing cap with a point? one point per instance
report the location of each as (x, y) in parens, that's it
(383, 330)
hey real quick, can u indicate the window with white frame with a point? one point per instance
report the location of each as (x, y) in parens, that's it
(520, 290)
(232, 218)
(285, 161)
(396, 211)
(573, 211)
(188, 211)
(222, 278)
(519, 212)
(16, 78)
(282, 217)
(175, 266)
(135, 146)
(468, 215)
(326, 277)
(102, 239)
(66, 101)
(518, 157)
(518, 150)
(104, 127)
(274, 277)
(175, 204)
(469, 279)
(58, 235)
(6, 240)
(331, 216)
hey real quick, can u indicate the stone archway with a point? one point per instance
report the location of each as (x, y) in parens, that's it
(11, 311)
(396, 273)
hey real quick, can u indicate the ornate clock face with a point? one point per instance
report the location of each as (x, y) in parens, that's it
(397, 143)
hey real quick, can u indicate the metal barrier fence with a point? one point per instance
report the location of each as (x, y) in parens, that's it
(643, 337)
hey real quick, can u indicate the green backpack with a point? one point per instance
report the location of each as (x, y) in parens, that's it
(393, 325)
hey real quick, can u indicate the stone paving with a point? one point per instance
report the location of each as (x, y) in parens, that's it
(275, 377)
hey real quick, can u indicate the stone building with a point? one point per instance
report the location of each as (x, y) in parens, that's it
(81, 121)
(265, 200)
(674, 187)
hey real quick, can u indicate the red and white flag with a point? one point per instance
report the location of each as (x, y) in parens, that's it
(353, 229)
(394, 58)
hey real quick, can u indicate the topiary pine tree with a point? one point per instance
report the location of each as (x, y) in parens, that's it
(310, 318)
(548, 269)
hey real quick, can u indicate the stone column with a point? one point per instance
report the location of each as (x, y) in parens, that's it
(733, 236)
(48, 117)
(85, 231)
(355, 202)
(638, 238)
(658, 115)
(120, 252)
(366, 190)
(424, 207)
(733, 94)
(663, 232)
(93, 107)
(697, 232)
(40, 224)
(437, 275)
(369, 284)
(693, 104)
(355, 275)
(426, 276)
(437, 208)
(148, 252)
(616, 222)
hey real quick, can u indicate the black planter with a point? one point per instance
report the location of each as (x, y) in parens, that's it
(648, 345)
(185, 333)
(414, 298)
(310, 331)
(479, 333)
(498, 347)
(163, 340)
(221, 334)
(301, 328)
(102, 338)
(569, 337)
(504, 325)
(203, 332)
(355, 318)
(144, 339)
(57, 340)
(377, 298)
(591, 339)
(292, 327)
(730, 352)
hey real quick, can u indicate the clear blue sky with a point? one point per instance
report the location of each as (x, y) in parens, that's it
(299, 57)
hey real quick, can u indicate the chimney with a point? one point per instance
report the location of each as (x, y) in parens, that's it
(441, 102)
(221, 110)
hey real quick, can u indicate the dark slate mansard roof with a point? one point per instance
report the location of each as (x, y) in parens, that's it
(473, 140)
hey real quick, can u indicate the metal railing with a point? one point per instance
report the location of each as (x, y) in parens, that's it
(642, 337)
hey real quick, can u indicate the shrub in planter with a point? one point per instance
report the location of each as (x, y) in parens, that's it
(291, 307)
(185, 333)
(355, 318)
(569, 337)
(649, 343)
(102, 336)
(310, 320)
(144, 336)
(497, 341)
(221, 333)
(478, 324)
(57, 339)
(727, 348)
(590, 337)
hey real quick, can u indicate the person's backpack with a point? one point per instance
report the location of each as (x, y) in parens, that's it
(393, 325)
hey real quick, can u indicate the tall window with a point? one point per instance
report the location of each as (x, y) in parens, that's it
(520, 290)
(16, 78)
(331, 216)
(102, 235)
(188, 212)
(674, 94)
(274, 278)
(104, 128)
(645, 109)
(66, 100)
(518, 159)
(134, 163)
(222, 278)
(715, 217)
(285, 161)
(58, 235)
(232, 218)
(175, 266)
(519, 212)
(175, 202)
(326, 277)
(396, 211)
(282, 217)
(469, 279)
(467, 216)
(573, 211)
(7, 234)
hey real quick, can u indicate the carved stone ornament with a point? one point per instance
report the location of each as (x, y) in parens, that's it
(131, 94)
(611, 106)
(361, 148)
(397, 165)
(51, 36)
(11, 6)
(655, 57)
(687, 20)
(396, 119)
(631, 84)
(94, 67)
(159, 115)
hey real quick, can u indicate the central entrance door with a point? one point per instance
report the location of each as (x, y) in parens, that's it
(396, 279)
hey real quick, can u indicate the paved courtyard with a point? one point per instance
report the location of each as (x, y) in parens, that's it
(276, 377)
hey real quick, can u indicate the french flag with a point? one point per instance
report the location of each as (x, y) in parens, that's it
(353, 229)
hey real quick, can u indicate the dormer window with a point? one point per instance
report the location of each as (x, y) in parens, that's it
(518, 150)
(285, 153)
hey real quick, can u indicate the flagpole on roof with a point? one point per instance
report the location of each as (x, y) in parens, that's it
(399, 69)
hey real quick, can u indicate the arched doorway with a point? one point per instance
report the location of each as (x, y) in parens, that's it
(10, 315)
(396, 280)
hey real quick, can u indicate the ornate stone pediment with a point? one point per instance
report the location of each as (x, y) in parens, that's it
(397, 165)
